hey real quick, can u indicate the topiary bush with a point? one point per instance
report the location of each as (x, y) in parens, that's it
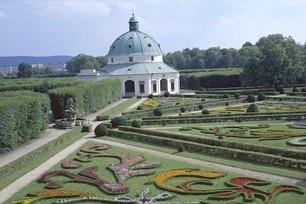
(166, 94)
(102, 117)
(118, 121)
(205, 112)
(157, 112)
(136, 124)
(180, 148)
(201, 106)
(295, 89)
(150, 96)
(251, 98)
(101, 130)
(252, 108)
(182, 109)
(261, 97)
(139, 108)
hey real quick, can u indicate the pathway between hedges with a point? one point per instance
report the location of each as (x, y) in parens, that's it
(47, 136)
(20, 183)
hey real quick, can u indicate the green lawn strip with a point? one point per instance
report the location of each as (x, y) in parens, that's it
(117, 110)
(14, 170)
(234, 163)
(138, 184)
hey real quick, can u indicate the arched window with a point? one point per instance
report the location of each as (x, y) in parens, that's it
(163, 85)
(129, 86)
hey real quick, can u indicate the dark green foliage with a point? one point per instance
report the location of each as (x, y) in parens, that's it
(303, 89)
(76, 64)
(226, 103)
(157, 112)
(295, 89)
(166, 94)
(150, 96)
(180, 148)
(251, 98)
(205, 112)
(252, 108)
(201, 106)
(139, 108)
(261, 97)
(102, 117)
(237, 95)
(136, 124)
(118, 121)
(101, 130)
(87, 97)
(23, 116)
(24, 70)
(182, 109)
(226, 96)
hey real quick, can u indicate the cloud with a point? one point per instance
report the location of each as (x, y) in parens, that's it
(93, 8)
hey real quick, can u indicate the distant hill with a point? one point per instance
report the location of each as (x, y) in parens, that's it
(15, 60)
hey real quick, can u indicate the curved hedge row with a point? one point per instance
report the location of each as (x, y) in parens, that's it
(87, 97)
(23, 115)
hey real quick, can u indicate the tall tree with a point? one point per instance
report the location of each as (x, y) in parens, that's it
(76, 64)
(24, 70)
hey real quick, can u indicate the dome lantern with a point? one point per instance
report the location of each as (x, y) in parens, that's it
(134, 24)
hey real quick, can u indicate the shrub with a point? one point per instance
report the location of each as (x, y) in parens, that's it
(180, 148)
(226, 103)
(205, 112)
(261, 97)
(252, 108)
(295, 89)
(118, 121)
(280, 89)
(164, 123)
(182, 109)
(139, 97)
(101, 130)
(87, 96)
(203, 99)
(226, 96)
(251, 98)
(303, 89)
(157, 112)
(139, 108)
(150, 96)
(102, 117)
(166, 94)
(237, 95)
(201, 106)
(136, 124)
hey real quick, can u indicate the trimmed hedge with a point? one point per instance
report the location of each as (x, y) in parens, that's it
(87, 97)
(23, 116)
(37, 84)
(214, 150)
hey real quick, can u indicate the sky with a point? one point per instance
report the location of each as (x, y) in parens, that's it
(70, 27)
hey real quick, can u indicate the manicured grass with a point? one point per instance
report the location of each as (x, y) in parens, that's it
(234, 163)
(12, 171)
(117, 110)
(138, 184)
(207, 72)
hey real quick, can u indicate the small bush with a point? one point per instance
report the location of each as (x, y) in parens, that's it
(182, 109)
(166, 94)
(118, 121)
(201, 106)
(136, 124)
(261, 97)
(237, 95)
(226, 96)
(139, 108)
(295, 89)
(102, 117)
(157, 112)
(164, 123)
(150, 96)
(101, 130)
(177, 103)
(205, 112)
(203, 99)
(280, 89)
(251, 98)
(180, 148)
(226, 104)
(303, 89)
(252, 108)
(138, 97)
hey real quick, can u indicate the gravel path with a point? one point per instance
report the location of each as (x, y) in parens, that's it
(47, 136)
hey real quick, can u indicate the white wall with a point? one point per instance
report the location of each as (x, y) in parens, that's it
(136, 58)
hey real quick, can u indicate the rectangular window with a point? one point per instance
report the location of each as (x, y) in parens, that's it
(141, 87)
(154, 86)
(112, 60)
(152, 58)
(172, 85)
(130, 59)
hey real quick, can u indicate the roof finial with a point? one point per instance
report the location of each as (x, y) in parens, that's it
(133, 12)
(134, 25)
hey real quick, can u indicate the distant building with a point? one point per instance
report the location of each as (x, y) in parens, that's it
(136, 60)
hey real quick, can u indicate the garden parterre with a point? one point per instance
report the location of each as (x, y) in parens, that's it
(147, 179)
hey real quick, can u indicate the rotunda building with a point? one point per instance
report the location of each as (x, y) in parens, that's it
(136, 59)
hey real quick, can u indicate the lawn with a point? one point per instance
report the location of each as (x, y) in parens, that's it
(199, 179)
(121, 107)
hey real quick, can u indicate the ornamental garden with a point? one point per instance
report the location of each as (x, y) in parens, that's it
(176, 149)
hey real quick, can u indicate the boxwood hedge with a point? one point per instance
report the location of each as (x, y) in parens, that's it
(23, 115)
(87, 97)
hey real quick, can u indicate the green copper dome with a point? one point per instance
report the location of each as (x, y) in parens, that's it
(134, 42)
